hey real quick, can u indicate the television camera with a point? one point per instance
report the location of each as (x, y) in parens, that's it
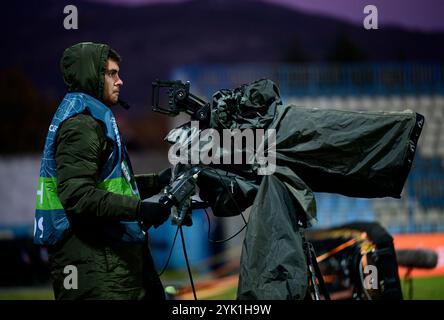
(258, 106)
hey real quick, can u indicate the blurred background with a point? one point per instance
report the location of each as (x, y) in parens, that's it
(318, 52)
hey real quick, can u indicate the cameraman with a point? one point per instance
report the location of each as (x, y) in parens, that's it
(89, 211)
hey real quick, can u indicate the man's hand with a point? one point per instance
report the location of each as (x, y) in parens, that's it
(152, 212)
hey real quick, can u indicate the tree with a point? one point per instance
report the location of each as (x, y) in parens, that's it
(26, 114)
(345, 50)
(296, 52)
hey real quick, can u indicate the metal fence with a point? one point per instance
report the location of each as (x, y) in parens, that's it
(309, 79)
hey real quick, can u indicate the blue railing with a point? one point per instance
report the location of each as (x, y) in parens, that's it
(309, 79)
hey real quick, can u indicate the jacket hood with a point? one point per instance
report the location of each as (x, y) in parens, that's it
(83, 66)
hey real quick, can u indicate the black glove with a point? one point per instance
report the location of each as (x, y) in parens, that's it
(164, 178)
(152, 213)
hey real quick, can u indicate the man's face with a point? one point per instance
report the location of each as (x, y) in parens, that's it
(112, 84)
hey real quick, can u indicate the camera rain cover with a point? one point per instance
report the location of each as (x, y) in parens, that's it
(354, 153)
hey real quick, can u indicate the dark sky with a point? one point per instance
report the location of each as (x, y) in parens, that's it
(423, 15)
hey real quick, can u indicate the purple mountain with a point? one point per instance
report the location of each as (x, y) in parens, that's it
(154, 39)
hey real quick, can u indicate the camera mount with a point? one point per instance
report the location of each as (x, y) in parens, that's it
(180, 100)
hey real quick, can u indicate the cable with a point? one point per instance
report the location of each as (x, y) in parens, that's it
(187, 262)
(225, 240)
(179, 228)
(228, 191)
(169, 256)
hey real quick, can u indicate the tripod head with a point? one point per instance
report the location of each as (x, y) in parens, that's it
(179, 195)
